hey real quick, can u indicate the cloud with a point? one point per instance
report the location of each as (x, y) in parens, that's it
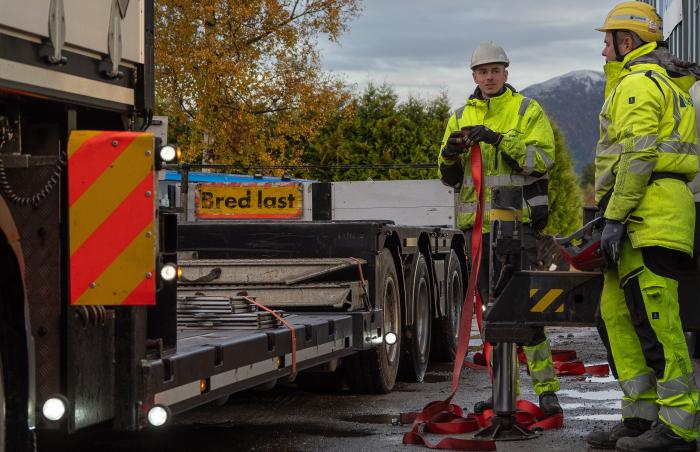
(421, 47)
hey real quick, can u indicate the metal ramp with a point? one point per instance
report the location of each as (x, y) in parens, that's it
(316, 283)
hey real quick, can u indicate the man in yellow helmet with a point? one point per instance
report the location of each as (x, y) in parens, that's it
(646, 154)
(517, 148)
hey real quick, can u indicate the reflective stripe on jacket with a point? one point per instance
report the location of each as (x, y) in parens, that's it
(523, 156)
(647, 126)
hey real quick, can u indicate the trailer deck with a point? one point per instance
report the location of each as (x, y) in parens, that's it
(210, 364)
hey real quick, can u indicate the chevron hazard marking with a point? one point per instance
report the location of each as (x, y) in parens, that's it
(547, 300)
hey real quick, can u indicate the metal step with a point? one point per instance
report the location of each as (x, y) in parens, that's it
(261, 271)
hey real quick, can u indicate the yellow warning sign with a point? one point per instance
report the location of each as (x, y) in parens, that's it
(249, 200)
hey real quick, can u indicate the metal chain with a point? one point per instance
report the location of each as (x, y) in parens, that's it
(35, 199)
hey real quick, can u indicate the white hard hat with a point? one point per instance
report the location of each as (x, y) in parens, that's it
(487, 53)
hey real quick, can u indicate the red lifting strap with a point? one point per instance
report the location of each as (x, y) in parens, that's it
(441, 415)
(465, 325)
(565, 363)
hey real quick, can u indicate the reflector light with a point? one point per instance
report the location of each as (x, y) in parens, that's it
(54, 409)
(168, 153)
(158, 415)
(168, 272)
(390, 338)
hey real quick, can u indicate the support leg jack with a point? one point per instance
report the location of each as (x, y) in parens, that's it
(504, 428)
(503, 425)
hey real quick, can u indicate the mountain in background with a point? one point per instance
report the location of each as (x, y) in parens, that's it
(573, 101)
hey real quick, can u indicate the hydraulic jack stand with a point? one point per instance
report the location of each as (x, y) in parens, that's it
(505, 259)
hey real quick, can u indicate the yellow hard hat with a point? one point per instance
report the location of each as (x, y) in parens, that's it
(638, 17)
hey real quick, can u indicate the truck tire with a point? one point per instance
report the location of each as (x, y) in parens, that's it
(446, 331)
(416, 349)
(374, 371)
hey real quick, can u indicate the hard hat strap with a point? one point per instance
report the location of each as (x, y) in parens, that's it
(618, 57)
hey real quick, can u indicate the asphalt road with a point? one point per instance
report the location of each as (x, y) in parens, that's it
(288, 418)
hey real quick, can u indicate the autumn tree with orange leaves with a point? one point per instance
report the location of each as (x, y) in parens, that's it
(242, 79)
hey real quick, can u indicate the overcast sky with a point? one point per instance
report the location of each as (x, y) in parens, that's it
(422, 46)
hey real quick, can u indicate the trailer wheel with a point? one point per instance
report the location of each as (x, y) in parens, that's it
(374, 371)
(414, 360)
(446, 332)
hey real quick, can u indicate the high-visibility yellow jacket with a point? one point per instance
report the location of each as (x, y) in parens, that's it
(523, 156)
(648, 149)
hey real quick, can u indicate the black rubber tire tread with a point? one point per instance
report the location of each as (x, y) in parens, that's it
(365, 371)
(411, 368)
(444, 347)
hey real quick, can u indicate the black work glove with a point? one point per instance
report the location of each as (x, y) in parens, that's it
(538, 217)
(611, 241)
(538, 213)
(455, 146)
(481, 133)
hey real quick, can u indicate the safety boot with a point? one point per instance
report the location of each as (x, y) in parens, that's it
(549, 402)
(628, 428)
(659, 437)
(480, 407)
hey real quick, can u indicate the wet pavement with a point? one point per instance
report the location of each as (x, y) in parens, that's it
(288, 418)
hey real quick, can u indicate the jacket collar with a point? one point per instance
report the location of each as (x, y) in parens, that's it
(654, 57)
(682, 73)
(478, 99)
(616, 70)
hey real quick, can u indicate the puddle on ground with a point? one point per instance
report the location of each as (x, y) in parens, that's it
(436, 378)
(612, 404)
(387, 419)
(573, 406)
(607, 379)
(596, 417)
(611, 394)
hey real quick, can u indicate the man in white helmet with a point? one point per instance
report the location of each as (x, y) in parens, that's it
(517, 148)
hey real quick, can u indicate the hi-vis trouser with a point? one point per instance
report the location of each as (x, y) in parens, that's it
(537, 352)
(640, 310)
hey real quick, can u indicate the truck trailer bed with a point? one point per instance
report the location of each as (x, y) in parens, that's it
(209, 364)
